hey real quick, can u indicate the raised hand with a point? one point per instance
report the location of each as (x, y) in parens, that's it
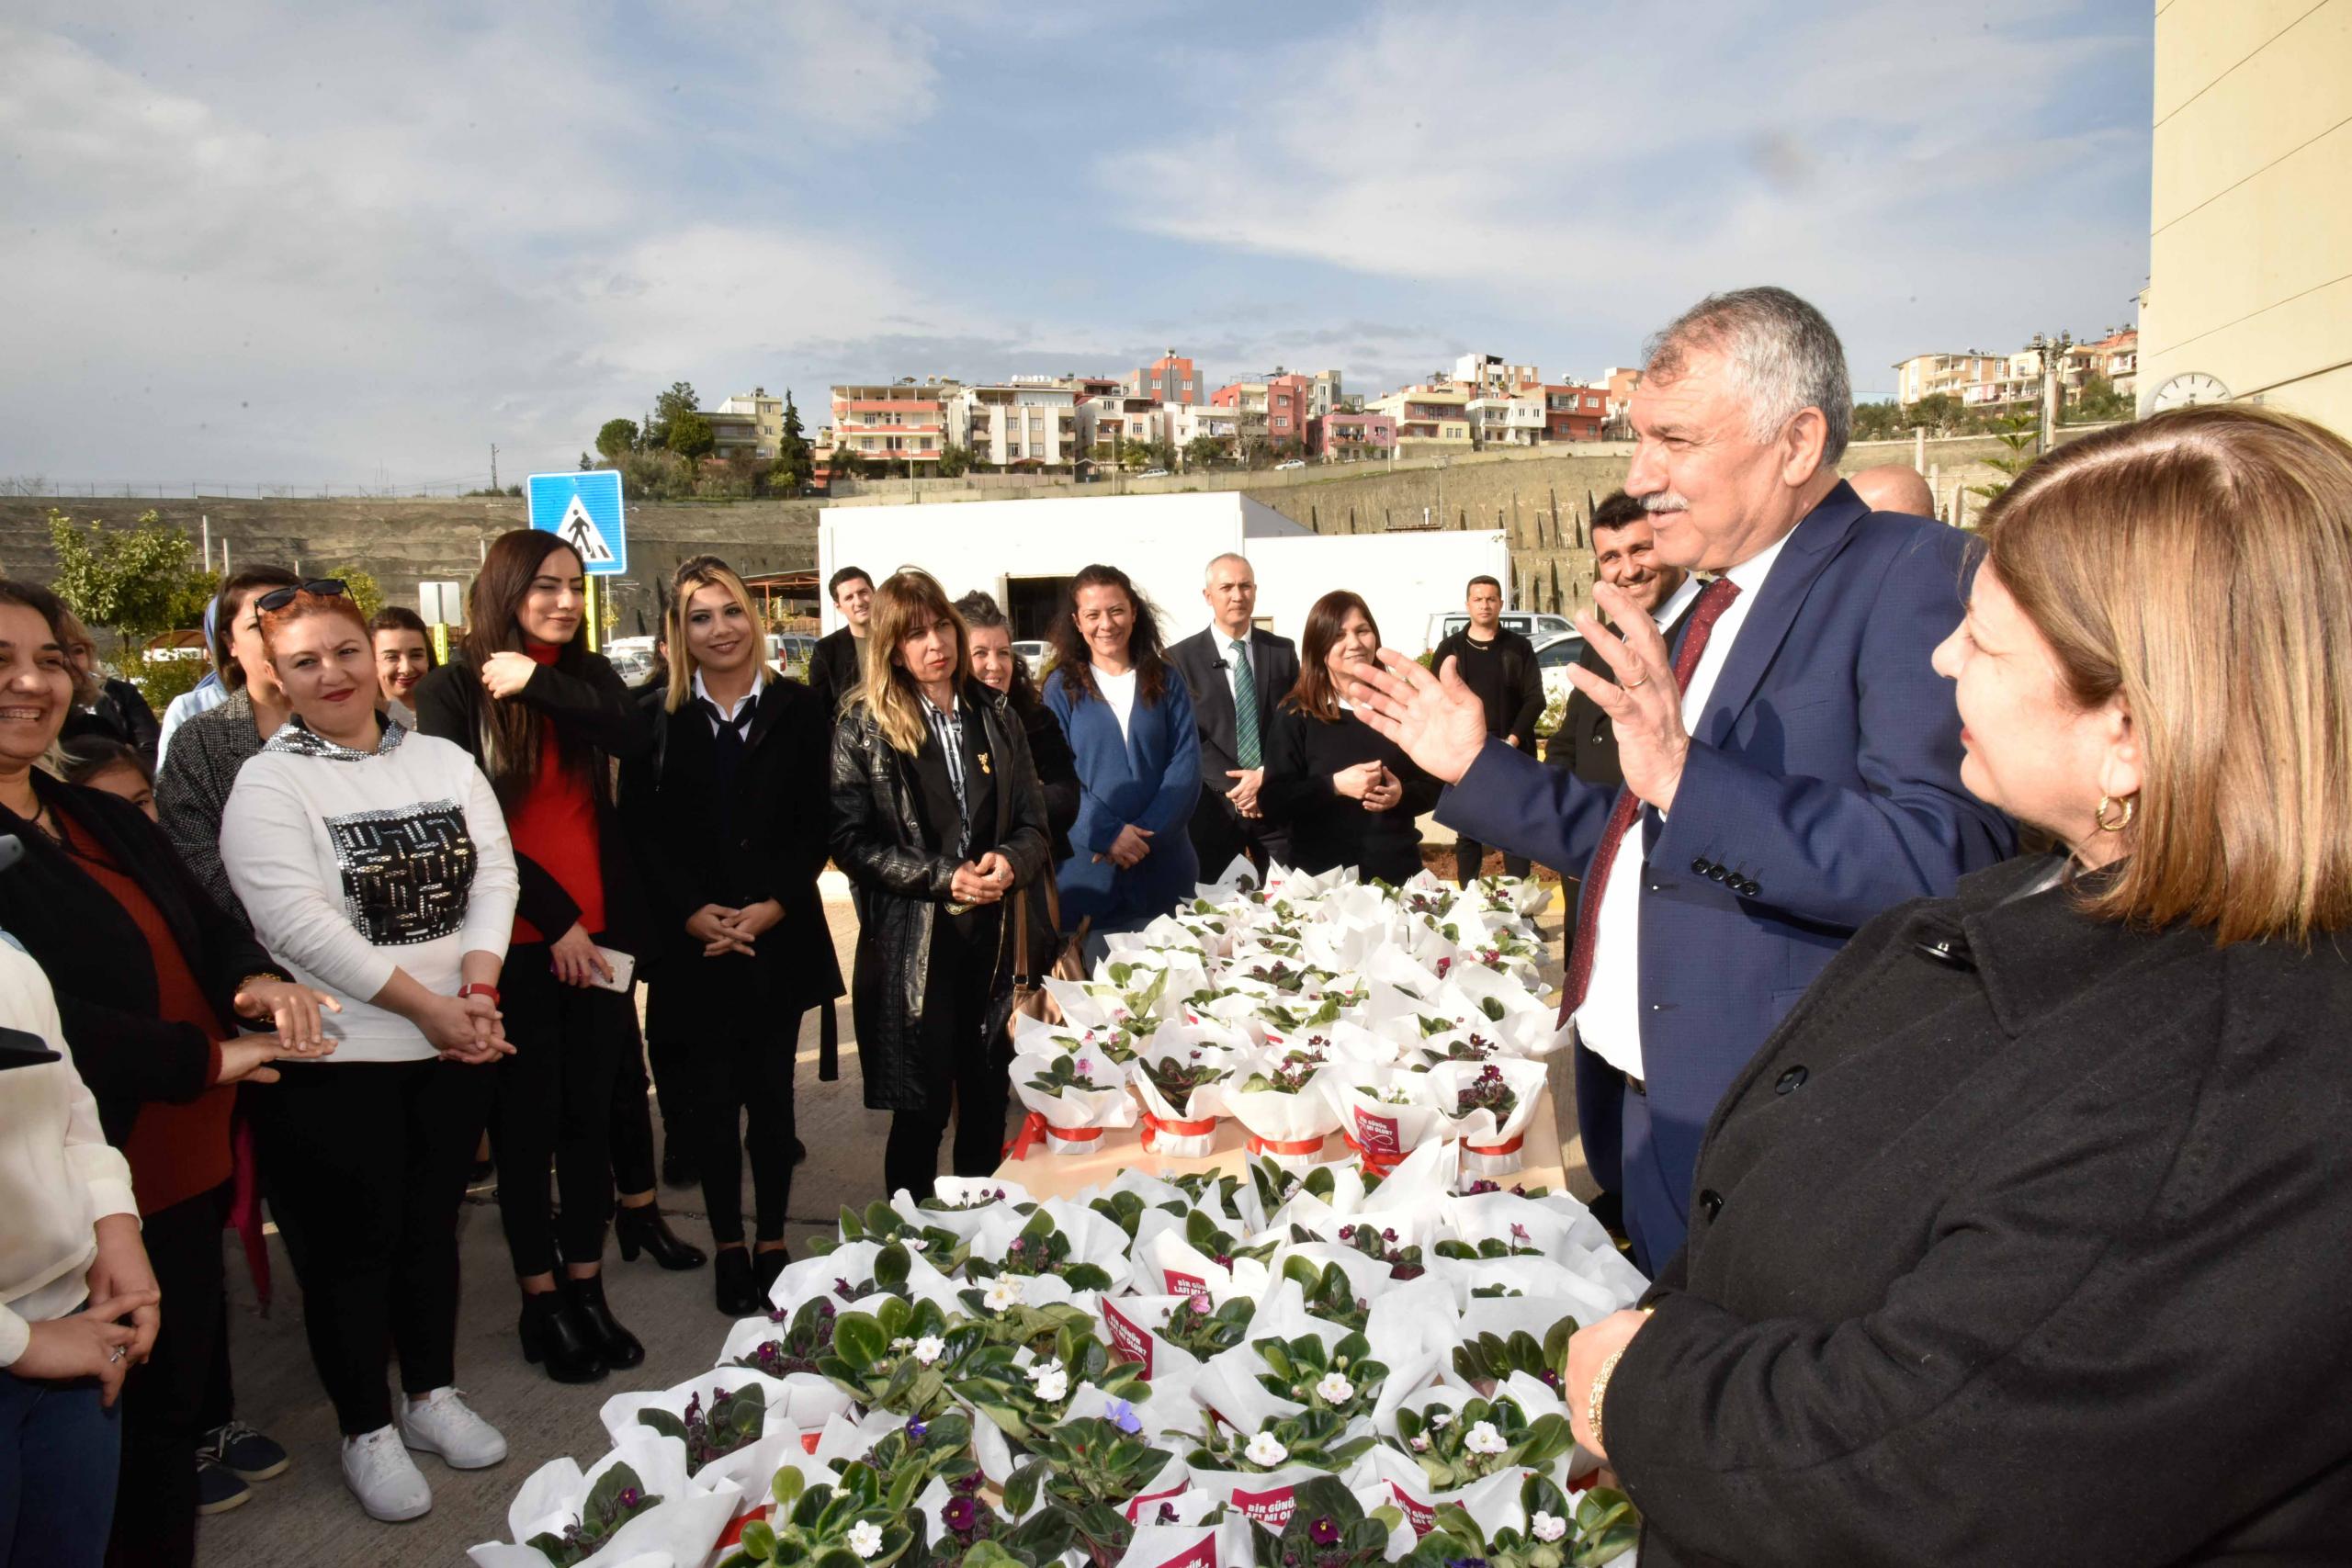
(1439, 721)
(1643, 703)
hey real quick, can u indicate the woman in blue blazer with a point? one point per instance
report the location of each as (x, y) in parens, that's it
(1130, 723)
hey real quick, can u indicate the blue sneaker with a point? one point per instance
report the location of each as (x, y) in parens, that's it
(218, 1490)
(242, 1452)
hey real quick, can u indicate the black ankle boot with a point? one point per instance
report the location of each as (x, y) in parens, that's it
(737, 1295)
(767, 1264)
(643, 1229)
(555, 1335)
(616, 1346)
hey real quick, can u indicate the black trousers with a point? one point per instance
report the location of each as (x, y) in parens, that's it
(163, 1401)
(732, 1075)
(967, 1072)
(555, 1107)
(1469, 854)
(632, 1129)
(365, 1164)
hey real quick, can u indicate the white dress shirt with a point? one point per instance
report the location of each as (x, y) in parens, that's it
(735, 709)
(1608, 1023)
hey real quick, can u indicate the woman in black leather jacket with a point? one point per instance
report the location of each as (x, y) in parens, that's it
(937, 814)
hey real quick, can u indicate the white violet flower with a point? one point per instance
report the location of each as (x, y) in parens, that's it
(1420, 1443)
(1441, 1420)
(1049, 1381)
(902, 1343)
(929, 1348)
(1003, 1291)
(866, 1537)
(1547, 1527)
(1267, 1449)
(1335, 1389)
(917, 1244)
(1482, 1438)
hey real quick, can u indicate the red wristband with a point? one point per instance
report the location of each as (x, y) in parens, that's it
(479, 988)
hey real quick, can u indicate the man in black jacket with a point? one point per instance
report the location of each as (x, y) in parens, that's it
(1234, 675)
(1499, 665)
(834, 667)
(1624, 553)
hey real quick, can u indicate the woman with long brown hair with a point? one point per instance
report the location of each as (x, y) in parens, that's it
(937, 813)
(1348, 794)
(546, 719)
(727, 816)
(1129, 720)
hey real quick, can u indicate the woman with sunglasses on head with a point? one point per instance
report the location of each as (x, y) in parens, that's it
(376, 866)
(155, 986)
(937, 814)
(547, 719)
(403, 656)
(200, 762)
(727, 819)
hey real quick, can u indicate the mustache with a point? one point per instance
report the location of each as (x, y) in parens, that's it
(1665, 501)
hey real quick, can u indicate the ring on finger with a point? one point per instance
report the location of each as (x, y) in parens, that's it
(1643, 681)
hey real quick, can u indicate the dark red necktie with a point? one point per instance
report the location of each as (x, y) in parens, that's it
(1714, 599)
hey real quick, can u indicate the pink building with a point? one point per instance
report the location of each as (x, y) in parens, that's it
(1337, 436)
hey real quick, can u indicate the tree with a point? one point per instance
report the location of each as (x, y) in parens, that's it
(2098, 403)
(846, 464)
(2020, 430)
(955, 462)
(140, 581)
(615, 437)
(360, 586)
(1203, 450)
(795, 464)
(690, 436)
(681, 399)
(1134, 455)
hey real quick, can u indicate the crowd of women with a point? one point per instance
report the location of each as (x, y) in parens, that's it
(368, 911)
(354, 942)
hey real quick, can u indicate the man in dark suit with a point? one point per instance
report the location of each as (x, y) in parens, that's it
(1791, 764)
(833, 668)
(1499, 665)
(1232, 670)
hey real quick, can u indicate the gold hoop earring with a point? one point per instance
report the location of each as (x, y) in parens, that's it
(2130, 805)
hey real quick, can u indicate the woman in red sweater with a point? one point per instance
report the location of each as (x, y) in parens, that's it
(547, 719)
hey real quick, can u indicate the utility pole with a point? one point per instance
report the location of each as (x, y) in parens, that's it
(494, 465)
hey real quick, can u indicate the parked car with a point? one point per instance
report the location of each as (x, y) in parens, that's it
(1292, 463)
(1535, 629)
(631, 658)
(1153, 474)
(1554, 658)
(790, 651)
(1038, 656)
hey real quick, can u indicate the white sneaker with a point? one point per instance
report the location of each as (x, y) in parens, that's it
(444, 1424)
(382, 1476)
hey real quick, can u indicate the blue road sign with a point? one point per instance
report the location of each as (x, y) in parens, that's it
(585, 509)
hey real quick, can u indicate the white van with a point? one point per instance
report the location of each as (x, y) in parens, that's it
(1526, 623)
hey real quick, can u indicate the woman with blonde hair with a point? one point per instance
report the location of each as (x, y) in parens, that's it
(727, 816)
(937, 813)
(2022, 1239)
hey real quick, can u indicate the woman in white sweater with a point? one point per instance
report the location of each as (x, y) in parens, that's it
(70, 1266)
(376, 867)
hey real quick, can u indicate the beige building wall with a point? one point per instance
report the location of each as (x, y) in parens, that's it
(2250, 247)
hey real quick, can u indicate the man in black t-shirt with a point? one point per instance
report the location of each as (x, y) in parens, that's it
(1499, 665)
(833, 668)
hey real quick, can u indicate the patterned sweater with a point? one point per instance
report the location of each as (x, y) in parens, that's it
(354, 864)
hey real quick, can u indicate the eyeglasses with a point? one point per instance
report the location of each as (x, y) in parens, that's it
(278, 598)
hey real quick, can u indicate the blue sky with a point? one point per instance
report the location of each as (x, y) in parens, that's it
(316, 244)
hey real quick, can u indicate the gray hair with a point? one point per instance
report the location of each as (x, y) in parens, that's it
(1784, 356)
(1209, 573)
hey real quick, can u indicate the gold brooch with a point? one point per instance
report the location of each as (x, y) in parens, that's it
(984, 764)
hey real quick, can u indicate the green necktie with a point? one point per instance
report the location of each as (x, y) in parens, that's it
(1245, 708)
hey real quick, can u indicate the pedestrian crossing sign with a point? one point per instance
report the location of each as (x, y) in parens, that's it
(585, 510)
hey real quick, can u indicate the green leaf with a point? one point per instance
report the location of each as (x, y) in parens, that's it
(891, 1266)
(859, 1340)
(661, 1421)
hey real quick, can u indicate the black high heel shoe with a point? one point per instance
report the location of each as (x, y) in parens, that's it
(642, 1229)
(556, 1337)
(766, 1265)
(732, 1280)
(616, 1346)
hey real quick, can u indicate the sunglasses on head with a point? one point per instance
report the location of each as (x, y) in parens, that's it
(278, 598)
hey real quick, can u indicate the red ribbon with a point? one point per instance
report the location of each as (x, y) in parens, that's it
(1034, 1128)
(1378, 1163)
(1512, 1147)
(1258, 1146)
(1175, 1127)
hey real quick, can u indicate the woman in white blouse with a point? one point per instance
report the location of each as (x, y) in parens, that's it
(375, 865)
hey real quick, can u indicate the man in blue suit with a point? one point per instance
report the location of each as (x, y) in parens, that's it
(1792, 765)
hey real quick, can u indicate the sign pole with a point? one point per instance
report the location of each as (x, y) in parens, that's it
(595, 622)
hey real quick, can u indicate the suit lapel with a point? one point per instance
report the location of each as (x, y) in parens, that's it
(1216, 695)
(1810, 549)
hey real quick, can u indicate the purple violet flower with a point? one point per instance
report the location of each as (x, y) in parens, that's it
(1323, 1532)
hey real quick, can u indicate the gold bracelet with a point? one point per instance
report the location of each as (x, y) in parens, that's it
(1600, 1391)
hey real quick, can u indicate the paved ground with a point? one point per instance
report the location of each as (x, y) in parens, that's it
(306, 1519)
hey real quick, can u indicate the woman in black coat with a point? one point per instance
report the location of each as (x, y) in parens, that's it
(2022, 1239)
(996, 667)
(727, 816)
(937, 813)
(1348, 794)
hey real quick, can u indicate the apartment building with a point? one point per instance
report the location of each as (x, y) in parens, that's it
(1323, 394)
(1113, 418)
(2116, 357)
(1272, 406)
(768, 419)
(1187, 422)
(735, 434)
(1499, 419)
(1168, 379)
(1434, 414)
(895, 422)
(1028, 421)
(1340, 436)
(1946, 375)
(1570, 412)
